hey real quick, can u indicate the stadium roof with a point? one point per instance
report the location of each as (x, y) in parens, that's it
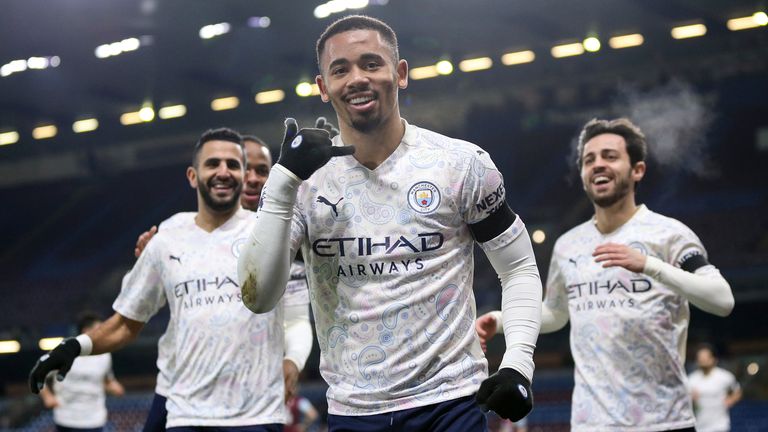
(167, 62)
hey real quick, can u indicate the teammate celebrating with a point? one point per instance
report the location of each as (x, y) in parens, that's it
(226, 372)
(625, 278)
(387, 236)
(298, 331)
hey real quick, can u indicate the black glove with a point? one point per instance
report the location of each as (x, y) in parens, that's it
(60, 358)
(305, 151)
(508, 393)
(322, 123)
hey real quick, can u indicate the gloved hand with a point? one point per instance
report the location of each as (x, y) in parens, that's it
(322, 123)
(508, 393)
(304, 151)
(60, 358)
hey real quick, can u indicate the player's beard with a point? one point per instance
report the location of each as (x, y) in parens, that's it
(375, 119)
(620, 190)
(219, 204)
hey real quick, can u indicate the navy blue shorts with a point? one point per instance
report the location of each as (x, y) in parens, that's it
(157, 415)
(255, 428)
(458, 415)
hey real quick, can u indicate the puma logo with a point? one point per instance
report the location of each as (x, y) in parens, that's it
(324, 200)
(174, 258)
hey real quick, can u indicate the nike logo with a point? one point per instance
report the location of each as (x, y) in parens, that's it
(573, 261)
(174, 258)
(324, 200)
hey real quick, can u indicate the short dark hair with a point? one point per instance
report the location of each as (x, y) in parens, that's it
(709, 347)
(220, 134)
(259, 141)
(358, 22)
(637, 148)
(86, 319)
(254, 138)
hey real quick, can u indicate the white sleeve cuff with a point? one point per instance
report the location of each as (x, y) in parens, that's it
(298, 334)
(499, 321)
(86, 344)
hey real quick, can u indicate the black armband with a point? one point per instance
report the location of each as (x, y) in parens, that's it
(493, 225)
(694, 262)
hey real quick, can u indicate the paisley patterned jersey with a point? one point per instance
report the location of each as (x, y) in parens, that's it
(389, 258)
(628, 331)
(227, 361)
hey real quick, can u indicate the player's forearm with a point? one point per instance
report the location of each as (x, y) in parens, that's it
(552, 320)
(264, 263)
(733, 398)
(708, 291)
(114, 388)
(298, 335)
(520, 302)
(49, 400)
(113, 334)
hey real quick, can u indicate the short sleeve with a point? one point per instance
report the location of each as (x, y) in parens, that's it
(142, 293)
(483, 189)
(492, 222)
(686, 250)
(733, 385)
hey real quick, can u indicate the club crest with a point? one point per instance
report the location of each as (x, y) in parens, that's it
(424, 197)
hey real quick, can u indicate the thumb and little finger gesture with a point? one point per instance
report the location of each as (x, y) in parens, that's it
(304, 151)
(322, 123)
(619, 255)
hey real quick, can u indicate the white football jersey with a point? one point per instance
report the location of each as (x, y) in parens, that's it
(165, 359)
(81, 396)
(295, 294)
(389, 258)
(227, 361)
(628, 331)
(711, 390)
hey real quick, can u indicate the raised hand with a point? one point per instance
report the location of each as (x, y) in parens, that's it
(322, 123)
(304, 151)
(614, 254)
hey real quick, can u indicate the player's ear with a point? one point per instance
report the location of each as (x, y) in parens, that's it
(323, 91)
(402, 74)
(192, 177)
(638, 171)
